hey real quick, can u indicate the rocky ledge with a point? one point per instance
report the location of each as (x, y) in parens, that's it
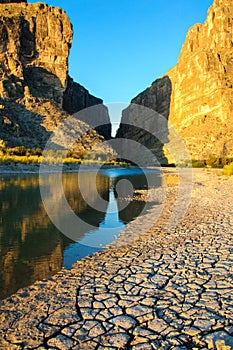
(166, 290)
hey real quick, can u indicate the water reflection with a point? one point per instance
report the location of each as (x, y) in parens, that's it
(111, 222)
(32, 248)
(144, 181)
(99, 237)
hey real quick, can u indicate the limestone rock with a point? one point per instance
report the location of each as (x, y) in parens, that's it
(35, 40)
(200, 105)
(35, 44)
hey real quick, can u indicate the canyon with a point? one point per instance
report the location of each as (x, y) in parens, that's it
(36, 91)
(196, 95)
(194, 98)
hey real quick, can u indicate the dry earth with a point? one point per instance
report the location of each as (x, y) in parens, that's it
(166, 288)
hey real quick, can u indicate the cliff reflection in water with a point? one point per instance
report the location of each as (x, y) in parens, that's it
(131, 209)
(31, 247)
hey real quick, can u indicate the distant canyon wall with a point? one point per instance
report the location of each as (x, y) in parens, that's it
(200, 105)
(145, 126)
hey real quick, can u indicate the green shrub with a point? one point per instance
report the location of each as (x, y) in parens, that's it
(70, 160)
(212, 162)
(198, 163)
(218, 162)
(18, 151)
(35, 151)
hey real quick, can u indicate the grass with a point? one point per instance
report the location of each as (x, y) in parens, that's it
(198, 163)
(7, 159)
(212, 162)
(24, 155)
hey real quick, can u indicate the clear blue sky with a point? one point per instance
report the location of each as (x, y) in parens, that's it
(121, 46)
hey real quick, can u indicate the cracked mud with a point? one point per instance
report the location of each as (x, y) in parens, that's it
(168, 289)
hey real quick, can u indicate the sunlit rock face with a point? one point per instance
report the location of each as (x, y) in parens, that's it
(35, 40)
(35, 44)
(201, 103)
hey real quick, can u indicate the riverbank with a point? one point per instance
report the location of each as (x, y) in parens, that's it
(21, 168)
(168, 288)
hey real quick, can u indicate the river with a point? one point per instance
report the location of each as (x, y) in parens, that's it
(32, 248)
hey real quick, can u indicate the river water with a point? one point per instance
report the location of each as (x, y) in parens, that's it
(32, 248)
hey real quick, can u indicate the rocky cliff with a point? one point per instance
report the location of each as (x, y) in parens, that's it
(35, 40)
(196, 96)
(145, 126)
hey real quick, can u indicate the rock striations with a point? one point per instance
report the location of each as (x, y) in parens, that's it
(200, 105)
(35, 89)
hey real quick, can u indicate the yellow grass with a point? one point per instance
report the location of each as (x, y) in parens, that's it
(51, 159)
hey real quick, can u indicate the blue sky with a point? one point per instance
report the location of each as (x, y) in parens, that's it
(121, 46)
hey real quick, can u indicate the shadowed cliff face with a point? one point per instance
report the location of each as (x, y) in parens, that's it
(201, 106)
(77, 98)
(35, 40)
(145, 125)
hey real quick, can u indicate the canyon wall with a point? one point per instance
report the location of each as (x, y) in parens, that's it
(35, 40)
(200, 105)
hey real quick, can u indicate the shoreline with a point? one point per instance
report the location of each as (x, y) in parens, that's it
(171, 287)
(20, 168)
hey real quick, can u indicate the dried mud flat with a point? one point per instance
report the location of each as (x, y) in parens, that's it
(168, 288)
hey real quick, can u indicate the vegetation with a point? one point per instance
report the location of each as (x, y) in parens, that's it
(198, 163)
(228, 169)
(212, 162)
(23, 155)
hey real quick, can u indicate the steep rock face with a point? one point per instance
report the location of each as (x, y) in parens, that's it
(158, 96)
(35, 88)
(145, 126)
(76, 98)
(35, 43)
(201, 104)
